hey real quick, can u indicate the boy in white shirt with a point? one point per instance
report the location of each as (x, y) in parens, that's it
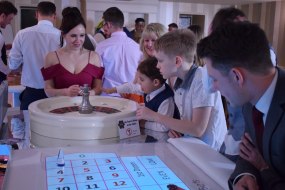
(158, 95)
(201, 112)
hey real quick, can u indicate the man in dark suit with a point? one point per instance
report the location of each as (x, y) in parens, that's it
(237, 58)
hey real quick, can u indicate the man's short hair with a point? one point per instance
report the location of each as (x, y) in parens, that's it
(46, 8)
(225, 15)
(237, 44)
(173, 25)
(181, 42)
(115, 16)
(197, 30)
(138, 20)
(7, 8)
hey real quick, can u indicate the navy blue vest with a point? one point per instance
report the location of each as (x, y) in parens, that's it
(159, 98)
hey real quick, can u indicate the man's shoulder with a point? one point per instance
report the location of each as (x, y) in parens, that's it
(38, 28)
(103, 44)
(24, 30)
(115, 41)
(47, 29)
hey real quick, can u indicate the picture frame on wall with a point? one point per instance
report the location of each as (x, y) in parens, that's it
(185, 20)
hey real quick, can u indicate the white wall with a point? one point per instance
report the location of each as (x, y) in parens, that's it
(152, 10)
(156, 11)
(199, 9)
(69, 3)
(131, 10)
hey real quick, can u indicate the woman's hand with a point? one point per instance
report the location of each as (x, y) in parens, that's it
(72, 90)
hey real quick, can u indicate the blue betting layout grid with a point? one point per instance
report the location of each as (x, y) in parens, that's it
(108, 171)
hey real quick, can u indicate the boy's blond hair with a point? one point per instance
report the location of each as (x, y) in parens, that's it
(156, 28)
(181, 42)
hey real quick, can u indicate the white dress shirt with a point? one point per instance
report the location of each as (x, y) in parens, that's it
(120, 57)
(264, 102)
(3, 68)
(30, 48)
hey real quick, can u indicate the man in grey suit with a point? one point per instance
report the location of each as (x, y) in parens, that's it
(237, 58)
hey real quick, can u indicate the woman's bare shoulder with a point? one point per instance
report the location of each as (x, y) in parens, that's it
(51, 59)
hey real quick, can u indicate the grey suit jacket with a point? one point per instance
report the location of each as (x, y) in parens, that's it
(273, 141)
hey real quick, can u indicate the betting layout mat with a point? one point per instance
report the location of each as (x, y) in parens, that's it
(109, 171)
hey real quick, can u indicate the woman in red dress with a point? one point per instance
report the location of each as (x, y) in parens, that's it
(72, 66)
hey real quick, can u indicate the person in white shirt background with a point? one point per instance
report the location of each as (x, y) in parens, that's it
(29, 49)
(120, 54)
